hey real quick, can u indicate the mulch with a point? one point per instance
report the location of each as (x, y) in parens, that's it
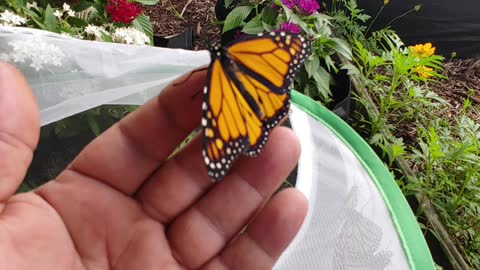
(171, 17)
(462, 83)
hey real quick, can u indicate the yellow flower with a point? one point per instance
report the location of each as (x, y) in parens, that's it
(424, 71)
(422, 50)
(385, 2)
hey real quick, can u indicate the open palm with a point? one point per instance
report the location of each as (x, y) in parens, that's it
(121, 205)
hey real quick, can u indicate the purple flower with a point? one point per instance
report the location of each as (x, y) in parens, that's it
(289, 27)
(308, 7)
(290, 3)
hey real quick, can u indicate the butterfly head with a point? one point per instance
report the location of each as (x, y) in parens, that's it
(215, 50)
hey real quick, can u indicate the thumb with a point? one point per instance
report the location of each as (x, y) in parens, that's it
(19, 129)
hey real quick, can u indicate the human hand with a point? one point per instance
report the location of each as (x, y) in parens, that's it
(121, 205)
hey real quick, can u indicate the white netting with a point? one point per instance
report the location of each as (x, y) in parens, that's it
(69, 75)
(348, 225)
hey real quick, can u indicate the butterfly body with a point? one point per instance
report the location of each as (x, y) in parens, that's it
(246, 95)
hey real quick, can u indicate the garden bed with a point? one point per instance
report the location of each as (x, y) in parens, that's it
(423, 205)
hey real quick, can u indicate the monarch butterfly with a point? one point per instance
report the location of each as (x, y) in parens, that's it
(246, 95)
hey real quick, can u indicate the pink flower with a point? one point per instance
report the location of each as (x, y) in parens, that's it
(306, 7)
(289, 27)
(289, 3)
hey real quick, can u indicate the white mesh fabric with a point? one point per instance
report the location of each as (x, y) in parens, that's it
(348, 225)
(68, 75)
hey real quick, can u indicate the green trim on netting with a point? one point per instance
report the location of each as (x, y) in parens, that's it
(413, 242)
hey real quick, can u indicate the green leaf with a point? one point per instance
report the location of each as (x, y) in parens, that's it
(269, 15)
(253, 27)
(77, 22)
(268, 27)
(322, 80)
(342, 48)
(39, 24)
(49, 19)
(143, 24)
(312, 65)
(236, 17)
(82, 5)
(106, 38)
(93, 124)
(227, 3)
(147, 2)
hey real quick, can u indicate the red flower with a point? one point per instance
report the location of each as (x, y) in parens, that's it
(123, 11)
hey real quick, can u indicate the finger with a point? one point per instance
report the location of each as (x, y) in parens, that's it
(19, 129)
(183, 180)
(267, 236)
(177, 185)
(218, 216)
(127, 153)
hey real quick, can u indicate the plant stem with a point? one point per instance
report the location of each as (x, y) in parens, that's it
(399, 17)
(374, 19)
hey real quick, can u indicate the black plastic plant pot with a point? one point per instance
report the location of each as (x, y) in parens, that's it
(183, 40)
(341, 95)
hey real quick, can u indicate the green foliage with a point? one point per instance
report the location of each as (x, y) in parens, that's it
(95, 120)
(448, 169)
(227, 3)
(147, 2)
(349, 19)
(142, 23)
(49, 20)
(236, 17)
(444, 152)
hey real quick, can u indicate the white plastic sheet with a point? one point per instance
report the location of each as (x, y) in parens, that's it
(69, 75)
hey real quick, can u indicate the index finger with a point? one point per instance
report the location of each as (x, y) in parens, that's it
(128, 152)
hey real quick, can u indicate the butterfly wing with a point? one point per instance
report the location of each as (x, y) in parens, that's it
(266, 65)
(271, 58)
(272, 106)
(228, 122)
(246, 96)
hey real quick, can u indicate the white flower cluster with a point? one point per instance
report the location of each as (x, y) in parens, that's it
(32, 5)
(8, 18)
(39, 52)
(96, 32)
(130, 35)
(66, 9)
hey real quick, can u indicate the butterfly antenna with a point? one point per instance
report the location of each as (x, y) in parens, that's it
(190, 75)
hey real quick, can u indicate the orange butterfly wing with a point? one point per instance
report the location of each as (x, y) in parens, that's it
(246, 96)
